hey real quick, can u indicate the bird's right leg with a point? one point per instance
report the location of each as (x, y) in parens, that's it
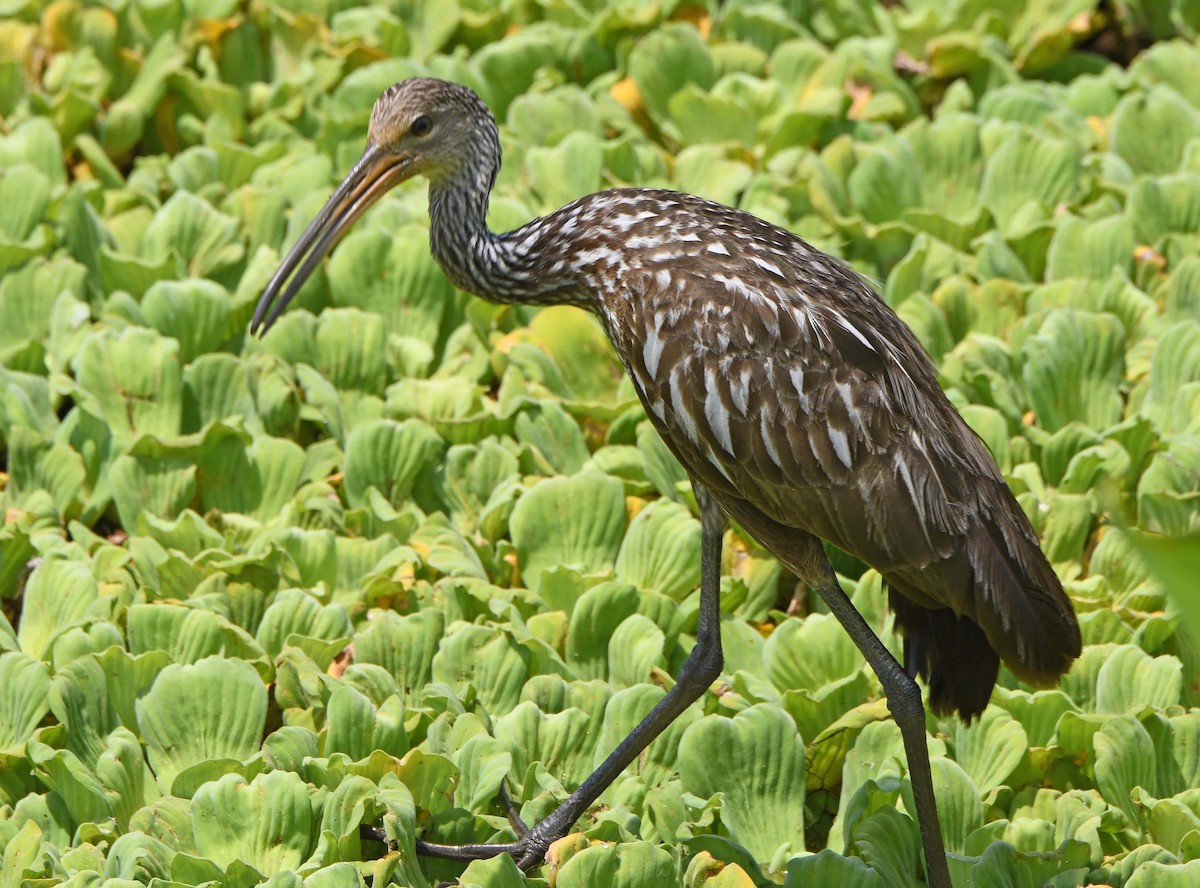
(699, 671)
(904, 701)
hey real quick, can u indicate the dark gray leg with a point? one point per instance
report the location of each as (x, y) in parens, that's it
(904, 701)
(698, 673)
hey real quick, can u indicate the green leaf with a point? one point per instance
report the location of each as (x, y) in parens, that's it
(561, 742)
(215, 388)
(1038, 713)
(211, 711)
(960, 805)
(403, 645)
(132, 274)
(24, 684)
(667, 60)
(1072, 366)
(1173, 562)
(122, 770)
(312, 552)
(495, 872)
(623, 712)
(569, 170)
(357, 727)
(62, 772)
(761, 777)
(814, 711)
(34, 141)
(989, 749)
(135, 856)
(1158, 207)
(124, 122)
(28, 297)
(147, 486)
(482, 764)
(265, 824)
(478, 479)
(634, 651)
(195, 313)
(1167, 491)
(707, 171)
(389, 456)
(26, 404)
(1026, 175)
(486, 661)
(256, 480)
(662, 468)
(391, 273)
(294, 612)
(885, 183)
(350, 351)
(546, 118)
(1001, 864)
(1124, 760)
(702, 117)
(1151, 129)
(203, 241)
(24, 195)
(79, 699)
(830, 868)
(582, 353)
(555, 435)
(661, 550)
(134, 380)
(549, 530)
(1154, 874)
(36, 464)
(59, 595)
(625, 865)
(1130, 678)
(594, 620)
(887, 840)
(810, 653)
(1090, 249)
(1174, 373)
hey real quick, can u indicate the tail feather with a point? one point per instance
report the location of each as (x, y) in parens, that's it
(1019, 601)
(950, 653)
(1015, 611)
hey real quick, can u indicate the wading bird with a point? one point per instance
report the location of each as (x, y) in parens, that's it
(800, 405)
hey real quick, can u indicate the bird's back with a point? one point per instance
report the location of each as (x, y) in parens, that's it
(783, 383)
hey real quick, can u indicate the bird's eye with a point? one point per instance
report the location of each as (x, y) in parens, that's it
(421, 126)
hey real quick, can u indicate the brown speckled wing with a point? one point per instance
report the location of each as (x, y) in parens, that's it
(802, 402)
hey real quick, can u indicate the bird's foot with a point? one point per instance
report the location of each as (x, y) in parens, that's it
(527, 851)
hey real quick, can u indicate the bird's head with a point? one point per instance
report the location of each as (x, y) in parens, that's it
(427, 127)
(419, 127)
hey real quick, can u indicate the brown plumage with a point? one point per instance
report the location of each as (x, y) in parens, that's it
(798, 402)
(805, 406)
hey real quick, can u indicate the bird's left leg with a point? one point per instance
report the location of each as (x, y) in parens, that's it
(699, 671)
(903, 698)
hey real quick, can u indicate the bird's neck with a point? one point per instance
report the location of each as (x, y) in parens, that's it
(505, 268)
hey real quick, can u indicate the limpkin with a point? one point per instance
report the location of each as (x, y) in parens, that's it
(800, 405)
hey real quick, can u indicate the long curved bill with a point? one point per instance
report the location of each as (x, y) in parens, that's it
(376, 173)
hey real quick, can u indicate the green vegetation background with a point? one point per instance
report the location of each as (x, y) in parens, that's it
(255, 593)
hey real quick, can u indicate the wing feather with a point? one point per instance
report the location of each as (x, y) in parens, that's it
(812, 406)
